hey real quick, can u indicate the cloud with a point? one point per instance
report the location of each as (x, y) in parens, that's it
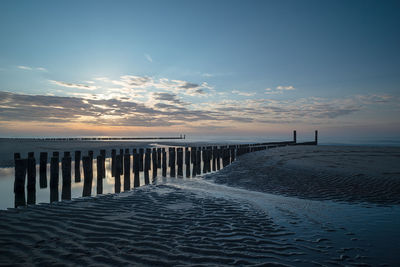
(237, 92)
(41, 69)
(286, 88)
(24, 67)
(148, 57)
(74, 85)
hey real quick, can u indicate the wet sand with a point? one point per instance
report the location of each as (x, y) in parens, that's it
(202, 223)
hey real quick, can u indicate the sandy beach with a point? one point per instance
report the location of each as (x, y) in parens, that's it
(290, 206)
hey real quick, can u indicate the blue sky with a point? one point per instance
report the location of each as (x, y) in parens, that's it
(248, 67)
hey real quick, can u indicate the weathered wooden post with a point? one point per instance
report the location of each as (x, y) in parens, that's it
(127, 171)
(159, 157)
(155, 167)
(54, 178)
(31, 184)
(141, 152)
(113, 163)
(316, 137)
(218, 158)
(19, 182)
(87, 176)
(99, 175)
(118, 167)
(121, 159)
(214, 161)
(164, 163)
(194, 161)
(187, 161)
(180, 161)
(209, 158)
(146, 167)
(66, 177)
(294, 136)
(198, 161)
(204, 156)
(148, 150)
(136, 169)
(103, 163)
(172, 161)
(43, 170)
(77, 166)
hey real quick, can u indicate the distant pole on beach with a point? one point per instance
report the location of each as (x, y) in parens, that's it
(294, 136)
(316, 137)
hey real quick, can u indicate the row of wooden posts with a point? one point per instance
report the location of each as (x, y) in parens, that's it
(198, 160)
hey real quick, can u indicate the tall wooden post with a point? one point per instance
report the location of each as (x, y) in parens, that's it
(218, 158)
(43, 170)
(103, 163)
(146, 167)
(180, 161)
(121, 159)
(54, 178)
(127, 171)
(164, 163)
(316, 137)
(118, 167)
(141, 152)
(19, 183)
(187, 161)
(214, 161)
(113, 164)
(77, 166)
(99, 174)
(172, 161)
(66, 177)
(198, 161)
(87, 176)
(294, 136)
(31, 185)
(136, 169)
(159, 158)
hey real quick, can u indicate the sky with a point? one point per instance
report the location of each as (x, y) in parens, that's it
(204, 68)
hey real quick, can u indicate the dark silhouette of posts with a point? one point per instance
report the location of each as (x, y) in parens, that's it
(214, 161)
(19, 182)
(172, 161)
(316, 137)
(127, 171)
(204, 156)
(99, 174)
(54, 177)
(187, 161)
(159, 158)
(121, 159)
(136, 169)
(164, 163)
(66, 177)
(198, 161)
(294, 136)
(43, 170)
(146, 167)
(180, 161)
(87, 176)
(218, 158)
(141, 152)
(103, 163)
(194, 161)
(77, 166)
(118, 167)
(31, 184)
(155, 166)
(113, 164)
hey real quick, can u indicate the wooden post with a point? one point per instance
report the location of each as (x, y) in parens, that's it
(136, 169)
(146, 167)
(294, 136)
(172, 161)
(148, 150)
(187, 161)
(77, 166)
(31, 184)
(17, 156)
(54, 178)
(99, 175)
(87, 176)
(127, 171)
(155, 166)
(19, 182)
(159, 158)
(113, 164)
(43, 170)
(66, 177)
(204, 156)
(121, 159)
(164, 163)
(141, 152)
(316, 137)
(198, 161)
(218, 159)
(103, 163)
(118, 167)
(194, 161)
(214, 161)
(180, 161)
